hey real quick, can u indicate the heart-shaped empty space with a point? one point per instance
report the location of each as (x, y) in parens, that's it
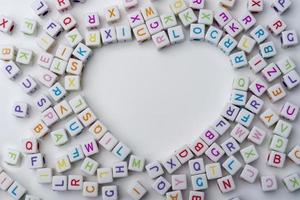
(157, 101)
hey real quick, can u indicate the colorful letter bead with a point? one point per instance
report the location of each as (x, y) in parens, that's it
(254, 104)
(187, 17)
(221, 125)
(238, 59)
(136, 190)
(104, 175)
(239, 133)
(230, 111)
(176, 34)
(247, 20)
(227, 44)
(20, 109)
(149, 12)
(123, 33)
(72, 82)
(289, 38)
(161, 185)
(197, 4)
(177, 6)
(45, 60)
(233, 28)
(179, 182)
(230, 146)
(98, 129)
(89, 166)
(75, 153)
(286, 64)
(206, 17)
(59, 183)
(213, 35)
(93, 38)
(255, 5)
(249, 173)
(238, 97)
(280, 6)
(82, 52)
(78, 104)
(35, 161)
(209, 136)
(62, 164)
(74, 66)
(257, 135)
(57, 91)
(171, 164)
(108, 35)
(271, 72)
(75, 182)
(45, 41)
(7, 25)
(74, 127)
(7, 52)
(121, 151)
(109, 192)
(49, 116)
(39, 129)
(30, 145)
(294, 154)
(112, 14)
(29, 85)
(269, 117)
(276, 92)
(63, 109)
(108, 141)
(267, 49)
(283, 128)
(161, 40)
(120, 169)
(197, 32)
(259, 34)
(135, 19)
(258, 87)
(59, 137)
(73, 37)
(222, 17)
(249, 154)
(10, 69)
(196, 166)
(136, 163)
(12, 156)
(168, 20)
(276, 159)
(213, 171)
(291, 79)
(257, 63)
(6, 181)
(62, 5)
(67, 21)
(90, 147)
(214, 152)
(44, 175)
(24, 56)
(92, 20)
(278, 143)
(245, 117)
(40, 7)
(154, 169)
(90, 189)
(268, 183)
(196, 195)
(246, 44)
(16, 190)
(277, 26)
(198, 147)
(199, 182)
(141, 33)
(184, 154)
(232, 165)
(47, 78)
(292, 182)
(226, 184)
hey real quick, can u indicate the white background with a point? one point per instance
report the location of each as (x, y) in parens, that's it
(154, 101)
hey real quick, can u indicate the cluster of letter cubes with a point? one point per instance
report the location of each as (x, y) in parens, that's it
(217, 27)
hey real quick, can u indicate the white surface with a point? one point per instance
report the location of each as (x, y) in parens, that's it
(154, 101)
